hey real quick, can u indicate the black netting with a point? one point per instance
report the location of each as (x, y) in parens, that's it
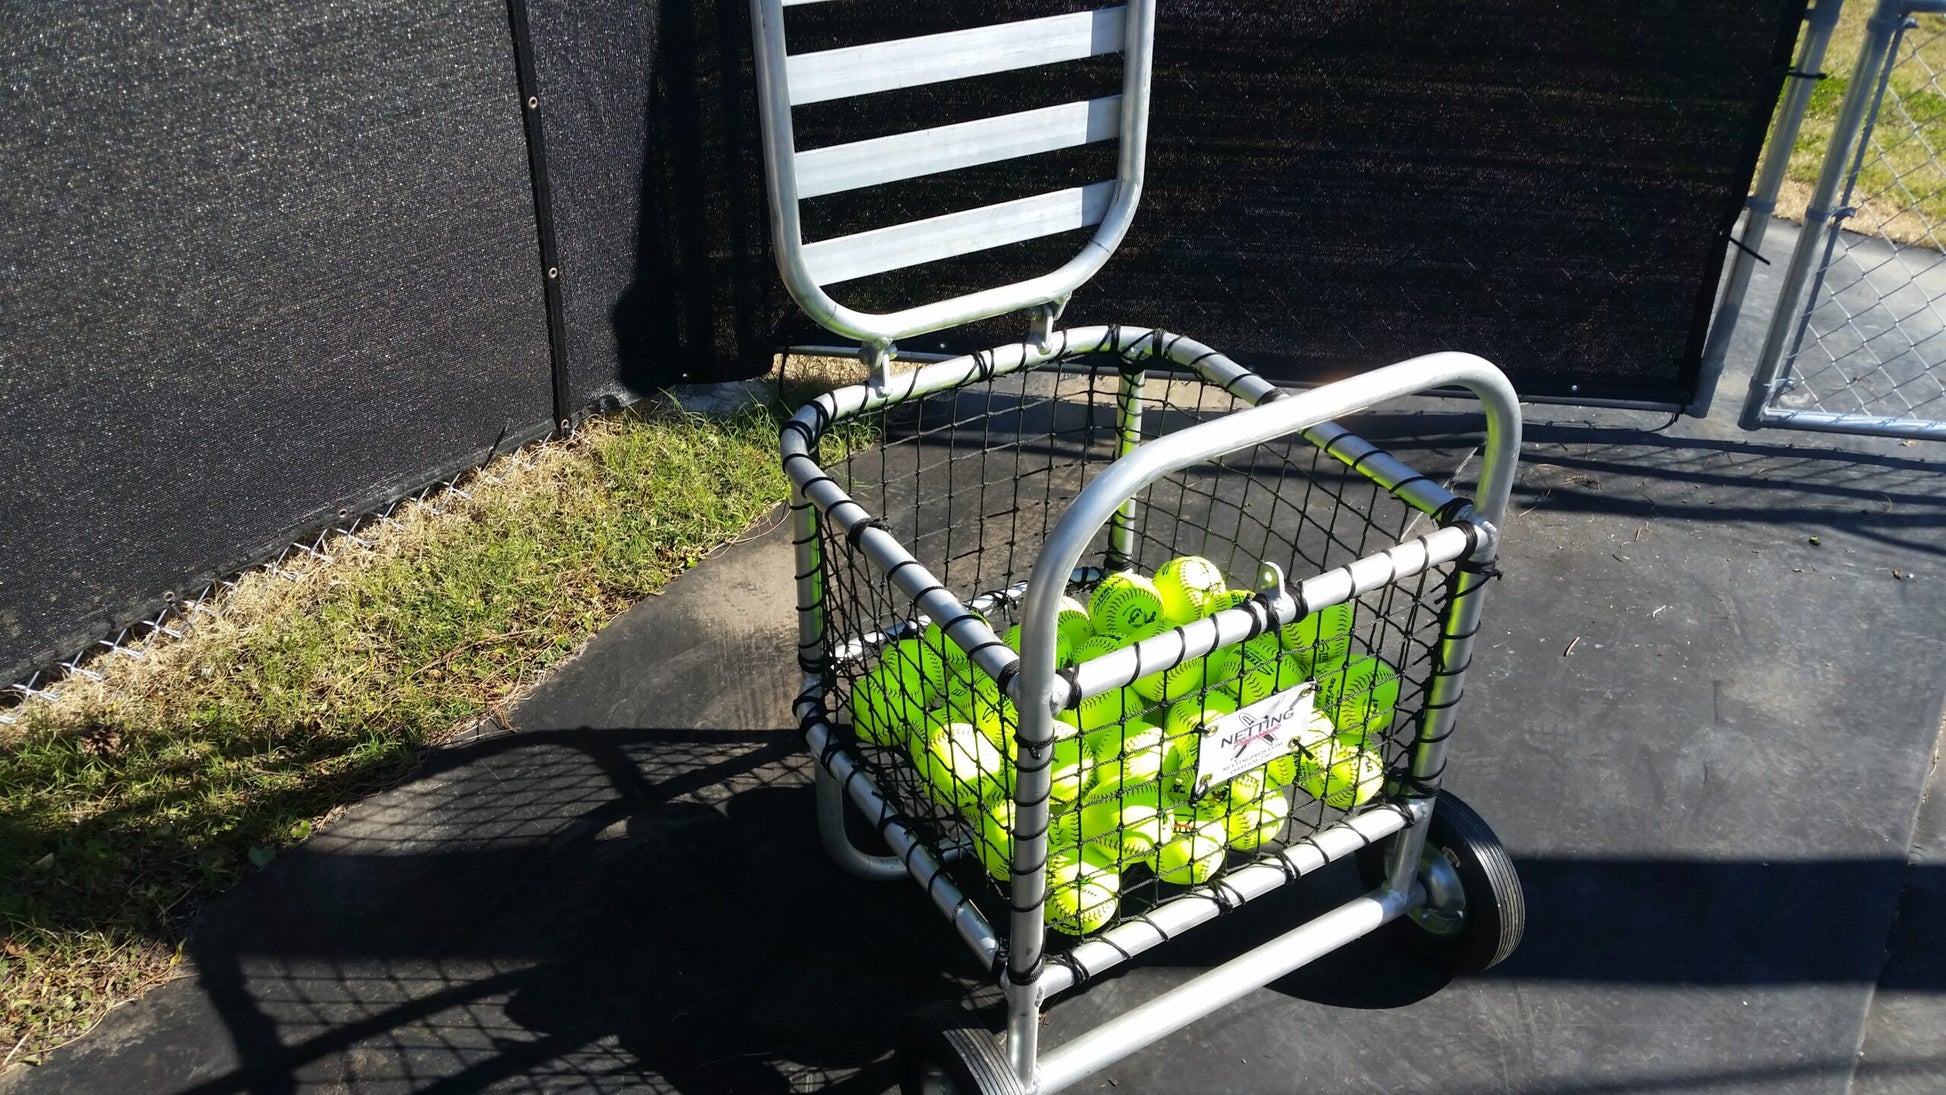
(970, 481)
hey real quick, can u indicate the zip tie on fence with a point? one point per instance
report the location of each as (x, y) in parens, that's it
(1367, 455)
(1451, 513)
(1283, 862)
(1296, 594)
(1044, 798)
(822, 408)
(809, 696)
(800, 429)
(982, 646)
(1033, 973)
(1426, 786)
(998, 966)
(892, 575)
(887, 816)
(1395, 488)
(857, 531)
(1440, 738)
(832, 745)
(1260, 620)
(1454, 702)
(1796, 73)
(1076, 970)
(1406, 787)
(1745, 248)
(1227, 899)
(846, 522)
(969, 614)
(804, 488)
(1006, 678)
(1073, 699)
(1016, 873)
(1011, 907)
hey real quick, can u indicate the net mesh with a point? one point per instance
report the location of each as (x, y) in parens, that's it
(970, 481)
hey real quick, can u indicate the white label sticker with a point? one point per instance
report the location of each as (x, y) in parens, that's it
(1253, 736)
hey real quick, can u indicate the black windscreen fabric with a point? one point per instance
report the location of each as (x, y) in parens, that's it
(1340, 185)
(1333, 184)
(261, 263)
(658, 201)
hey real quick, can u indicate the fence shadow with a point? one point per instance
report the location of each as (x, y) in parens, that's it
(647, 907)
(1893, 500)
(650, 910)
(701, 302)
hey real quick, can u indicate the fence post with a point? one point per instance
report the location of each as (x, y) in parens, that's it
(1846, 132)
(1762, 202)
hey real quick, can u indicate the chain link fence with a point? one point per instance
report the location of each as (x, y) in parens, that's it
(1858, 343)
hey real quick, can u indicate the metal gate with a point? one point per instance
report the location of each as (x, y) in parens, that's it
(1858, 341)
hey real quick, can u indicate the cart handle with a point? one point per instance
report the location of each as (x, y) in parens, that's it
(1135, 471)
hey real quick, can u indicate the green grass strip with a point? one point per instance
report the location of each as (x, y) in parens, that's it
(129, 801)
(1901, 191)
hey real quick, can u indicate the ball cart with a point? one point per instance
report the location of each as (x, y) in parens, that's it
(1103, 634)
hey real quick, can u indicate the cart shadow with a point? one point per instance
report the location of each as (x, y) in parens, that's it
(651, 910)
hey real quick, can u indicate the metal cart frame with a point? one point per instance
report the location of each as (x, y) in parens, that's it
(1467, 535)
(1466, 532)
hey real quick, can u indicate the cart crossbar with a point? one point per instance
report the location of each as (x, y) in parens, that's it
(912, 243)
(954, 55)
(1060, 1068)
(1093, 956)
(837, 168)
(1194, 640)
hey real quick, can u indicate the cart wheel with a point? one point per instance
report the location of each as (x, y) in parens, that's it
(943, 1050)
(1474, 912)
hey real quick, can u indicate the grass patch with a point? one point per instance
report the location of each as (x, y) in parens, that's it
(1901, 192)
(128, 801)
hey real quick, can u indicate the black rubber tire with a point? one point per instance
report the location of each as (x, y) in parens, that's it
(945, 1043)
(1496, 911)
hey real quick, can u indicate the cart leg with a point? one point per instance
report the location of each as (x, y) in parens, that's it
(1128, 437)
(811, 659)
(1024, 1029)
(810, 590)
(837, 842)
(1428, 760)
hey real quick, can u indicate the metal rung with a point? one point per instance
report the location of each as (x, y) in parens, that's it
(950, 147)
(954, 55)
(915, 242)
